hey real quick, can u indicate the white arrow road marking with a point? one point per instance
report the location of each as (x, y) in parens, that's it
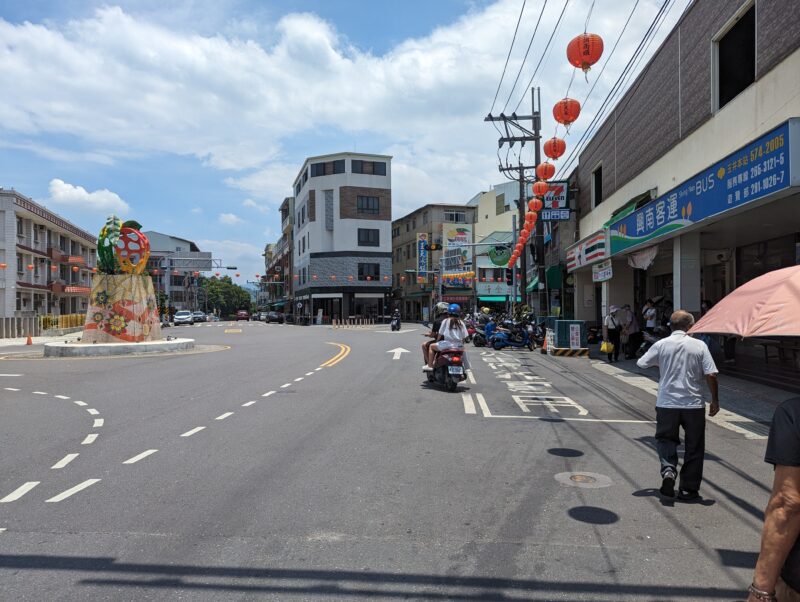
(73, 490)
(64, 461)
(397, 352)
(19, 492)
(140, 456)
(196, 429)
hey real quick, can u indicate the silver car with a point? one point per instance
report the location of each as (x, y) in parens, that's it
(199, 316)
(183, 317)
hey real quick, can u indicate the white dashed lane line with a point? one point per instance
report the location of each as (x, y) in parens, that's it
(98, 422)
(92, 411)
(248, 404)
(10, 374)
(10, 389)
(89, 439)
(140, 456)
(223, 416)
(73, 490)
(268, 393)
(310, 373)
(298, 379)
(60, 396)
(286, 385)
(64, 461)
(39, 393)
(2, 529)
(19, 492)
(196, 429)
(80, 403)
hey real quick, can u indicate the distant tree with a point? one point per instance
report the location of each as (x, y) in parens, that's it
(223, 296)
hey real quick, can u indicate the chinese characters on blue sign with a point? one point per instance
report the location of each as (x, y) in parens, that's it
(554, 215)
(751, 173)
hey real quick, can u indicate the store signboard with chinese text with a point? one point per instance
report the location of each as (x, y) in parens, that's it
(554, 215)
(457, 254)
(602, 271)
(767, 165)
(422, 252)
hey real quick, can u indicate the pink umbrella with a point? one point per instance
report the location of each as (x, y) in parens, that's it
(768, 306)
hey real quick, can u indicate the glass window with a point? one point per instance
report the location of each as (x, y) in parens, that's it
(377, 168)
(368, 237)
(736, 58)
(368, 204)
(597, 186)
(459, 217)
(373, 270)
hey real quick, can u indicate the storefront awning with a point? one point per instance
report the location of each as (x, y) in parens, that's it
(278, 304)
(497, 299)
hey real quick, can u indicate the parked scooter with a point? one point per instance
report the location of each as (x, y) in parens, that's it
(448, 369)
(515, 336)
(479, 337)
(395, 323)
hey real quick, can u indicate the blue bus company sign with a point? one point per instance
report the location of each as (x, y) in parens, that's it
(763, 167)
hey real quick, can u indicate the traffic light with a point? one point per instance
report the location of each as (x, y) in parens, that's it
(509, 276)
(433, 247)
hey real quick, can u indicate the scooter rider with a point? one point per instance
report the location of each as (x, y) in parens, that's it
(452, 333)
(439, 311)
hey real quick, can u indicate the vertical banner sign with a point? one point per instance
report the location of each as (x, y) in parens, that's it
(456, 255)
(574, 336)
(422, 253)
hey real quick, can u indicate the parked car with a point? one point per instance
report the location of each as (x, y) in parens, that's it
(214, 318)
(242, 314)
(199, 316)
(183, 317)
(275, 316)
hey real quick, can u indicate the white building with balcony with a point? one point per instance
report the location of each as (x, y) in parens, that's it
(342, 256)
(46, 262)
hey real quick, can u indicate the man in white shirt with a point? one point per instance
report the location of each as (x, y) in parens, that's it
(684, 362)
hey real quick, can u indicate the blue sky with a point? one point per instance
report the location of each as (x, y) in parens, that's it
(194, 116)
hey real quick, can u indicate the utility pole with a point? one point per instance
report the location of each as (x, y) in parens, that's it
(515, 132)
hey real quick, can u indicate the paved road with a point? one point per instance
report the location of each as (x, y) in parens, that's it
(292, 463)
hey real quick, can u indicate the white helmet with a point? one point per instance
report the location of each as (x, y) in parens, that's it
(440, 308)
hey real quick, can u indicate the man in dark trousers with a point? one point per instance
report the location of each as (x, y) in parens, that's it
(684, 363)
(777, 574)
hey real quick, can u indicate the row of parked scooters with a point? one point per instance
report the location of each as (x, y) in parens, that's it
(506, 332)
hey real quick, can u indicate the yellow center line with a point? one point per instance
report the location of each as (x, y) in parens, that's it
(344, 351)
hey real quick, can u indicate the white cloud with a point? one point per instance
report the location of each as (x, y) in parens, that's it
(229, 219)
(123, 81)
(246, 257)
(197, 210)
(77, 197)
(251, 204)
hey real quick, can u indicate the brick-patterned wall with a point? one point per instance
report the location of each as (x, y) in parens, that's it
(312, 205)
(672, 97)
(342, 267)
(348, 208)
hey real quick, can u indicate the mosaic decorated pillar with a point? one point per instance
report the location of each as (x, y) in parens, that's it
(122, 305)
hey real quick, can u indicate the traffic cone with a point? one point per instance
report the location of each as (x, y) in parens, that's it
(544, 346)
(29, 341)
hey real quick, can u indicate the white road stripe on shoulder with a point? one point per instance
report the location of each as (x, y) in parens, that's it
(286, 385)
(140, 456)
(317, 369)
(19, 492)
(2, 529)
(268, 393)
(98, 422)
(310, 373)
(92, 411)
(10, 374)
(61, 396)
(248, 404)
(482, 403)
(80, 403)
(223, 416)
(64, 461)
(39, 393)
(196, 429)
(11, 389)
(471, 377)
(89, 439)
(469, 405)
(298, 379)
(73, 490)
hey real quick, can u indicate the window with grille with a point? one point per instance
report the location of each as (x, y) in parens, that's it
(368, 237)
(368, 204)
(373, 270)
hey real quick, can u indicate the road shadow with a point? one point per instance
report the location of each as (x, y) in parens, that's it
(339, 584)
(670, 502)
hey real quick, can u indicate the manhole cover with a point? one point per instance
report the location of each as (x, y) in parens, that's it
(586, 480)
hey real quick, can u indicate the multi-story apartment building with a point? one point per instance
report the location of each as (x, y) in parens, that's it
(342, 253)
(176, 264)
(277, 282)
(416, 272)
(690, 186)
(46, 262)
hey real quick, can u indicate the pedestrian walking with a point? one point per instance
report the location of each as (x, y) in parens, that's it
(777, 573)
(634, 332)
(649, 313)
(612, 330)
(683, 362)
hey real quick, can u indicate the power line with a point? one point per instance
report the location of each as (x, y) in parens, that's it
(535, 71)
(616, 87)
(508, 56)
(522, 65)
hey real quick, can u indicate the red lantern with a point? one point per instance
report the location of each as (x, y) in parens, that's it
(540, 188)
(333, 277)
(313, 276)
(94, 270)
(30, 267)
(534, 218)
(297, 277)
(53, 268)
(566, 110)
(3, 266)
(545, 171)
(585, 50)
(535, 205)
(237, 275)
(155, 271)
(529, 219)
(216, 274)
(402, 278)
(369, 278)
(385, 278)
(554, 148)
(196, 274)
